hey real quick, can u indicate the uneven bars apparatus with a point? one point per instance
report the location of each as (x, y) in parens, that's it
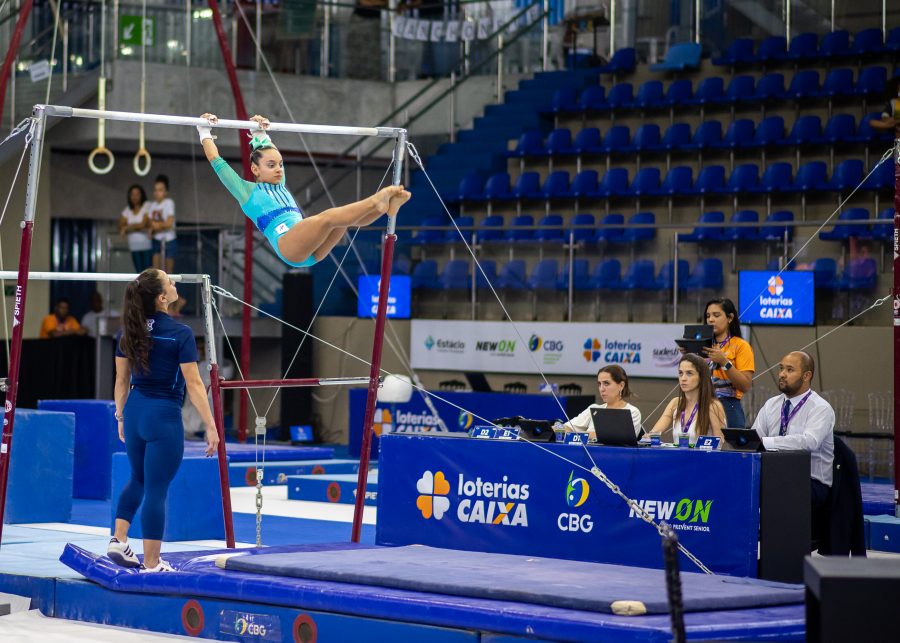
(40, 114)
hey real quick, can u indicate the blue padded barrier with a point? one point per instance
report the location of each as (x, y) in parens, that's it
(96, 439)
(275, 473)
(884, 533)
(331, 488)
(40, 470)
(247, 452)
(194, 503)
(877, 498)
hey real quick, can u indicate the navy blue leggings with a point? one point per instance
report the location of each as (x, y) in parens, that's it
(154, 440)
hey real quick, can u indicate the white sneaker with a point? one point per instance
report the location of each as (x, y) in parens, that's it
(121, 554)
(161, 566)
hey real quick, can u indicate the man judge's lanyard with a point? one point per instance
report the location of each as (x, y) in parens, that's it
(787, 414)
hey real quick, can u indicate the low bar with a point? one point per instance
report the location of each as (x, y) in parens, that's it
(61, 111)
(296, 383)
(94, 276)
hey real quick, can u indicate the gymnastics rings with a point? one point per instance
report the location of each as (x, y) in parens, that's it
(101, 149)
(142, 153)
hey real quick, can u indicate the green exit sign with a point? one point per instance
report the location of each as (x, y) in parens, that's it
(130, 31)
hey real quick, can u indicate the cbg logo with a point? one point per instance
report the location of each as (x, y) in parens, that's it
(464, 420)
(577, 491)
(433, 490)
(535, 343)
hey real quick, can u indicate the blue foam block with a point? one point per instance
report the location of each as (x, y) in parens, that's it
(40, 473)
(332, 488)
(194, 503)
(96, 439)
(884, 533)
(241, 474)
(878, 498)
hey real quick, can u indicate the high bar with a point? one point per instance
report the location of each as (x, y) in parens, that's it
(62, 111)
(93, 276)
(294, 383)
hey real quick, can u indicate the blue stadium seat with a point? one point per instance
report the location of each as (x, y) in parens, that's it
(739, 134)
(707, 274)
(635, 235)
(835, 44)
(531, 143)
(614, 183)
(679, 181)
(559, 142)
(584, 185)
(860, 274)
(804, 85)
(490, 229)
(424, 275)
(640, 276)
(843, 232)
(872, 81)
(810, 177)
(428, 237)
(711, 180)
(528, 186)
(545, 275)
(606, 234)
(882, 178)
(556, 186)
(455, 275)
(623, 61)
(565, 101)
(744, 178)
(740, 52)
(646, 182)
(550, 229)
(892, 42)
(884, 231)
(706, 234)
(707, 135)
(621, 96)
(521, 229)
(847, 175)
(807, 130)
(512, 275)
(771, 232)
(840, 128)
(650, 96)
(497, 187)
(770, 88)
(710, 91)
(772, 50)
(592, 99)
(471, 188)
(583, 234)
(665, 280)
(679, 93)
(617, 139)
(838, 82)
(740, 232)
(803, 47)
(676, 137)
(680, 57)
(465, 225)
(607, 275)
(587, 141)
(646, 139)
(778, 177)
(866, 133)
(741, 89)
(580, 275)
(489, 276)
(825, 274)
(868, 42)
(770, 132)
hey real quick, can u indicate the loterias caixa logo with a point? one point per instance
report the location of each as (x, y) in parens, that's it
(479, 501)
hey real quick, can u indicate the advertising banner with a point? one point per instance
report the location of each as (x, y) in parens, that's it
(399, 298)
(516, 498)
(768, 297)
(643, 350)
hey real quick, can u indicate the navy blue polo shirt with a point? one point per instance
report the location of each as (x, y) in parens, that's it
(173, 345)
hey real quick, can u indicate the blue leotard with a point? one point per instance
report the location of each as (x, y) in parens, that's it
(271, 207)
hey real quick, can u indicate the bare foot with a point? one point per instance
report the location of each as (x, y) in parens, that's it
(397, 202)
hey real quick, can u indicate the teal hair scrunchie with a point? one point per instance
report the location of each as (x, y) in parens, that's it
(260, 139)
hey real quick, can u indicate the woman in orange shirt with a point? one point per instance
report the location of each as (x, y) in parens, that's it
(730, 359)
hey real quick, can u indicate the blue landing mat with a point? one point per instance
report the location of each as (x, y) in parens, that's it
(568, 584)
(878, 498)
(247, 452)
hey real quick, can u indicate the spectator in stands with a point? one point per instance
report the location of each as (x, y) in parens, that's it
(134, 224)
(162, 223)
(890, 115)
(801, 420)
(696, 411)
(612, 384)
(91, 320)
(731, 359)
(60, 323)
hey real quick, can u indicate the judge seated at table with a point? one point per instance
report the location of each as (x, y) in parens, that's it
(696, 411)
(612, 383)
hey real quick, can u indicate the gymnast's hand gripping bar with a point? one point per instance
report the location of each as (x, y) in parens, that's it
(62, 111)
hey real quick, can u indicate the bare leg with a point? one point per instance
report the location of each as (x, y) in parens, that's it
(151, 552)
(333, 238)
(122, 530)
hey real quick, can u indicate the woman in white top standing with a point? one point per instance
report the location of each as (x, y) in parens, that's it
(612, 384)
(696, 411)
(134, 224)
(162, 220)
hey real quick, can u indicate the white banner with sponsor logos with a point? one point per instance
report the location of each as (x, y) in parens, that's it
(643, 350)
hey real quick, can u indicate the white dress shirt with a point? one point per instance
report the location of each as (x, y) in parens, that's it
(811, 429)
(584, 422)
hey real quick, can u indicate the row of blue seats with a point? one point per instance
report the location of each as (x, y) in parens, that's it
(805, 47)
(742, 133)
(804, 85)
(679, 181)
(859, 274)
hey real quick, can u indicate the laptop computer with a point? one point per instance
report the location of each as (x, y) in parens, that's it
(614, 427)
(696, 338)
(743, 439)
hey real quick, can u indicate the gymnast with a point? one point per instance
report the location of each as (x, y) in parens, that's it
(156, 359)
(299, 241)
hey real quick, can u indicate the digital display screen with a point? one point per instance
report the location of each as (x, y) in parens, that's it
(785, 299)
(399, 296)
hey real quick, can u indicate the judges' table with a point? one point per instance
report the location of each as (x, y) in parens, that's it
(519, 498)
